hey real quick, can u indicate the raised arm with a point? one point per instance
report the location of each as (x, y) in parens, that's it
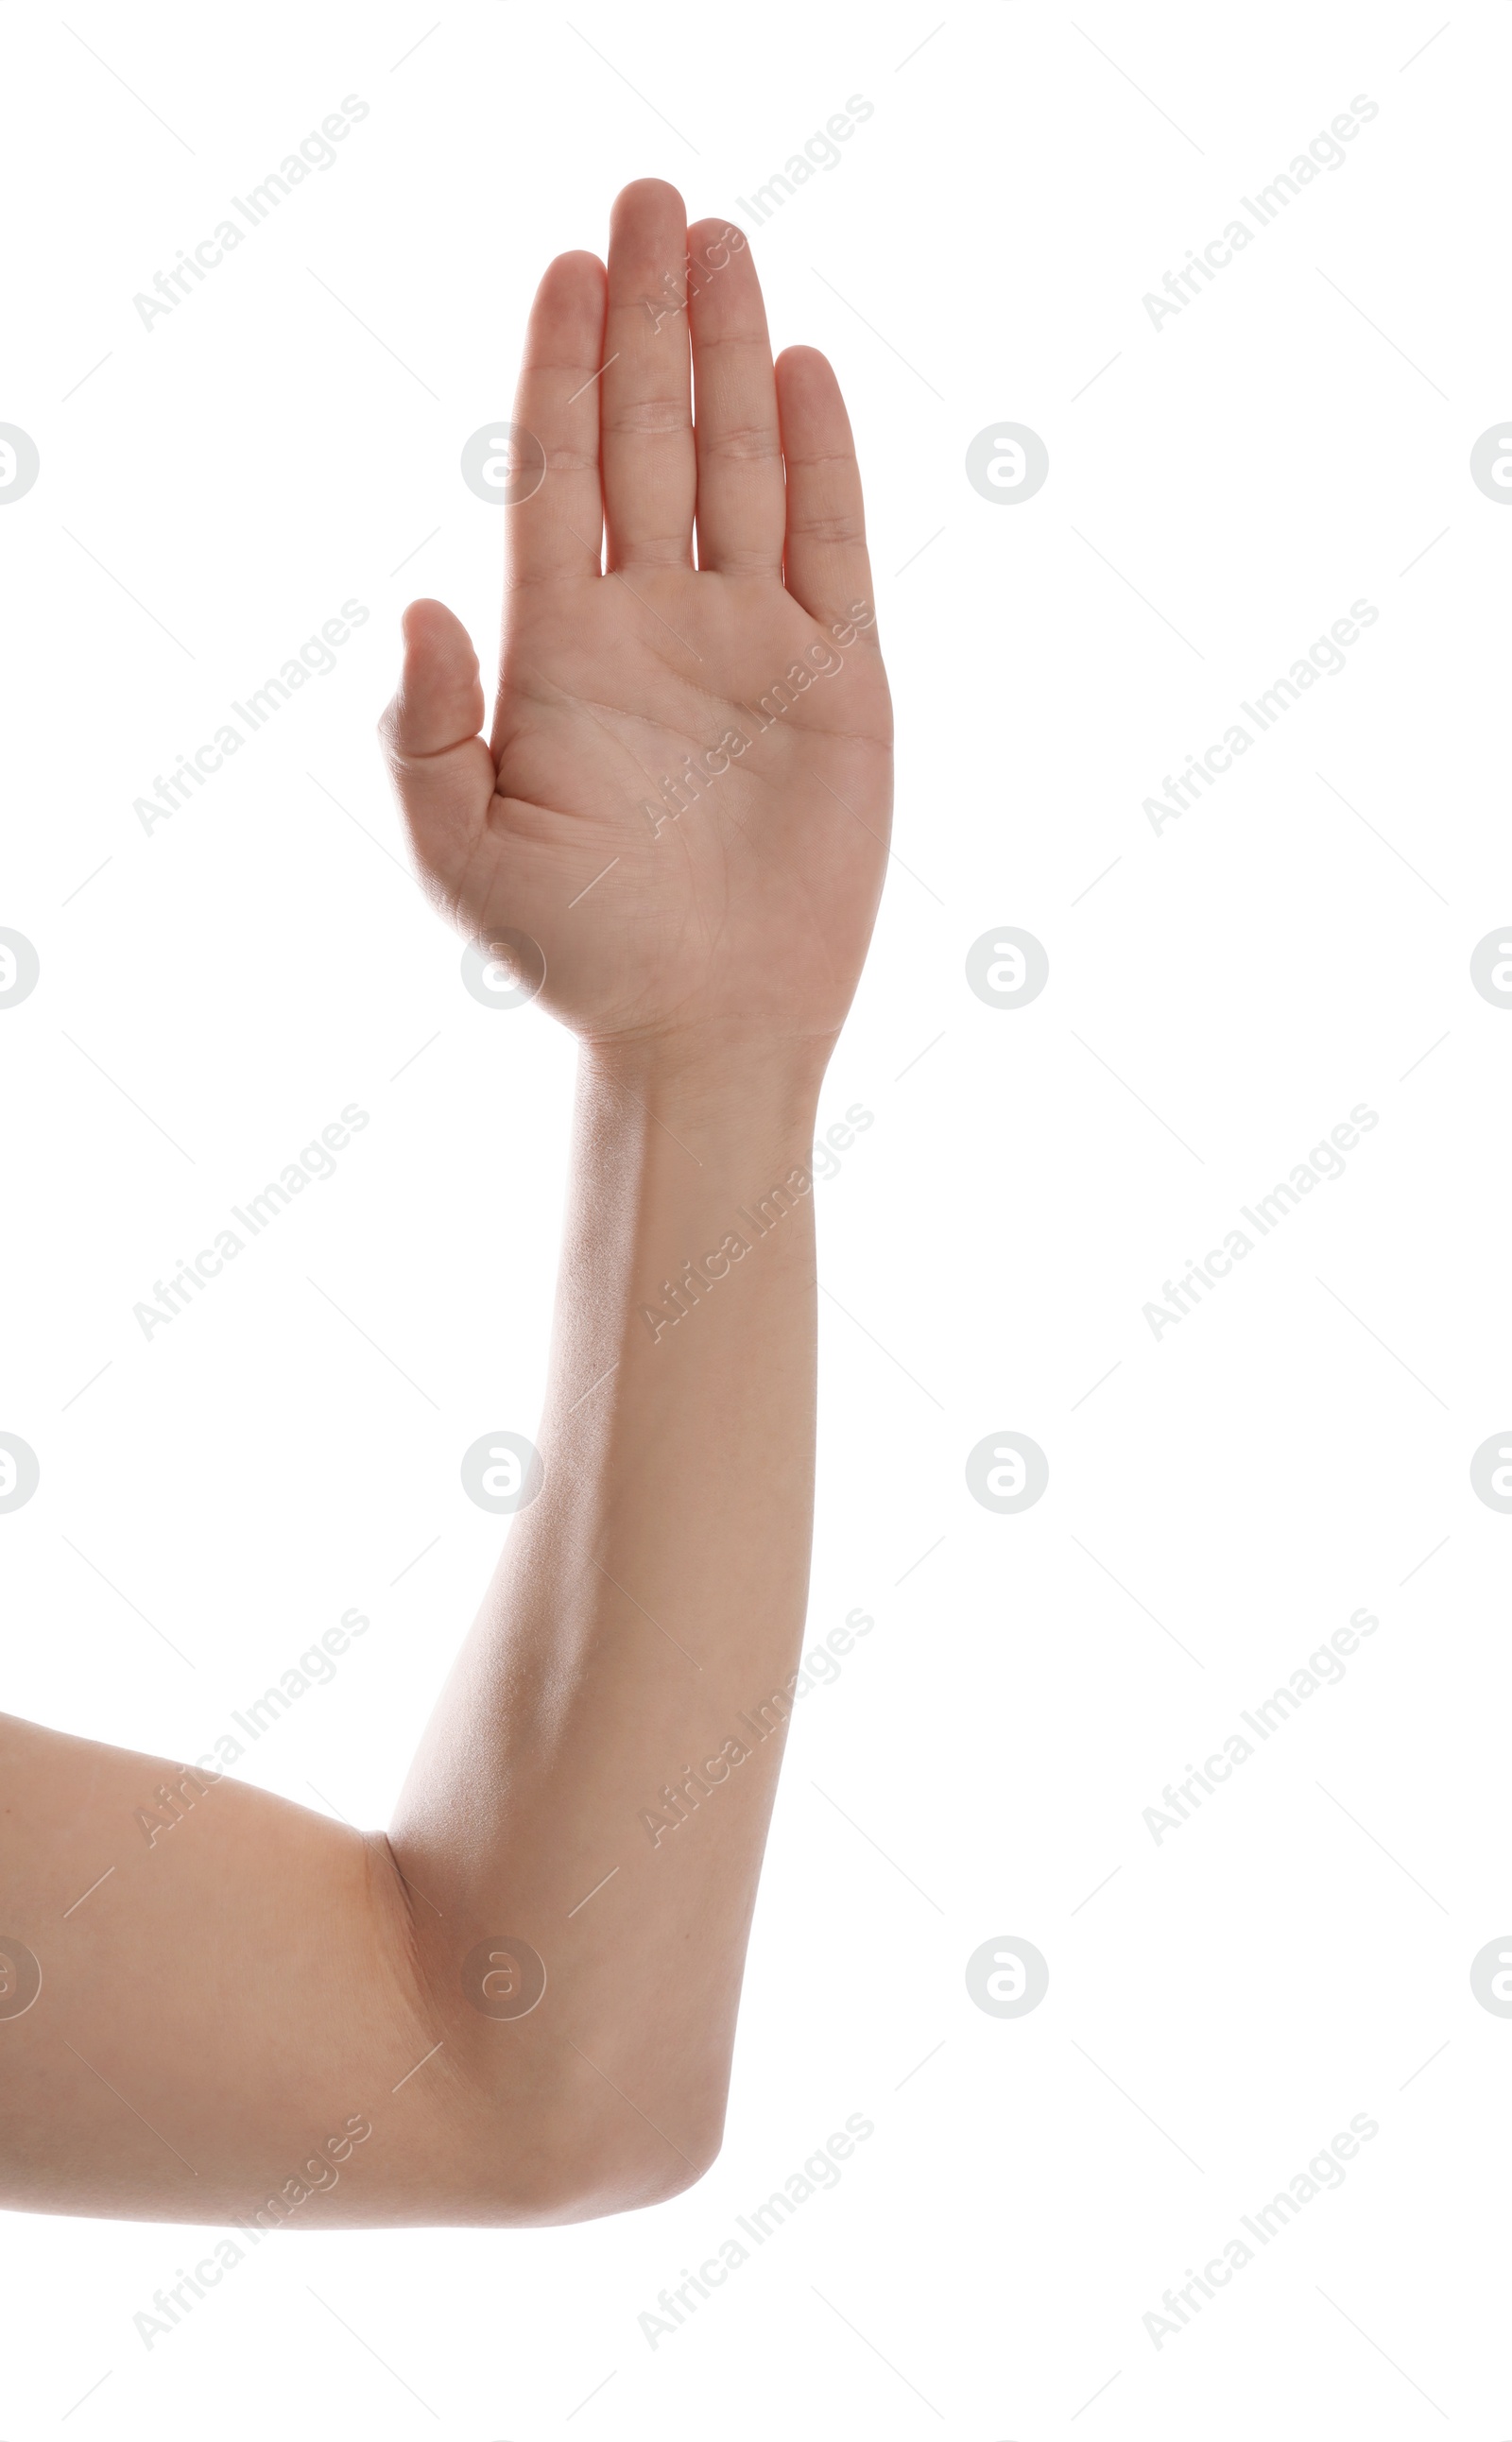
(520, 2005)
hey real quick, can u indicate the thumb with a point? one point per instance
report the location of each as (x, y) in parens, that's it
(440, 767)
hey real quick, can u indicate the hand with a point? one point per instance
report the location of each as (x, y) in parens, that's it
(738, 924)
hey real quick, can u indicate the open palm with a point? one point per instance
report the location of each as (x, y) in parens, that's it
(686, 799)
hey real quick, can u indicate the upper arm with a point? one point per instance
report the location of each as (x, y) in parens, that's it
(222, 1991)
(233, 2024)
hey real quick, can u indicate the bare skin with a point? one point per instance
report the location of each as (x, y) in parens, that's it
(266, 2014)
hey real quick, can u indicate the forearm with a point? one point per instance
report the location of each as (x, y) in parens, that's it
(612, 1728)
(603, 1731)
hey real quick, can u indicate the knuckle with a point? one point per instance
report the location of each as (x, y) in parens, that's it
(756, 442)
(649, 418)
(834, 528)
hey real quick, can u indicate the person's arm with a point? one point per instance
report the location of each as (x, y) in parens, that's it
(262, 2014)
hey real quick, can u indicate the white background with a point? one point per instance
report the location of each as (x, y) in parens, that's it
(1220, 995)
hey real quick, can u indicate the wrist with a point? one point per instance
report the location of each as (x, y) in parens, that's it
(713, 1076)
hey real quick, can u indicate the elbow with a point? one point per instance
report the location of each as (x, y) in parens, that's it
(596, 2172)
(560, 2116)
(574, 2149)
